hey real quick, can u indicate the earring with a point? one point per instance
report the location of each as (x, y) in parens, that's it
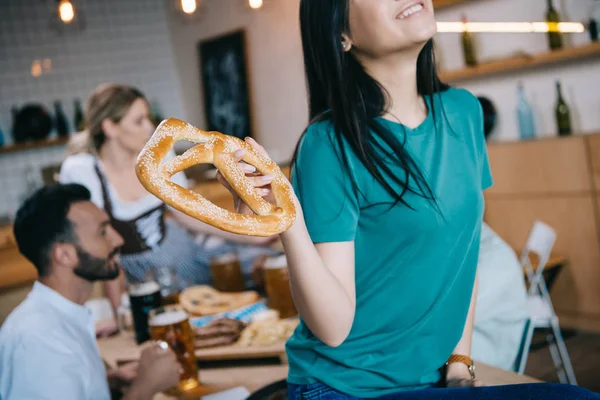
(344, 45)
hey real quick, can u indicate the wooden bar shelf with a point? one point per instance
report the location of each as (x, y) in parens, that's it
(37, 144)
(522, 63)
(441, 4)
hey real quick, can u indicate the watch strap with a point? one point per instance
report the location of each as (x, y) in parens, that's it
(460, 358)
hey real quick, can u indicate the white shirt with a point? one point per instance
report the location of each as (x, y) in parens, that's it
(79, 168)
(48, 351)
(501, 309)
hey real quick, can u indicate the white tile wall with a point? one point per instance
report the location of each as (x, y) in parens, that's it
(123, 41)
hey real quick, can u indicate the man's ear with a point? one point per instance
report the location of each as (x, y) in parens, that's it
(64, 255)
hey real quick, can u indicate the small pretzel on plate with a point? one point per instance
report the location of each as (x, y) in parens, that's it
(217, 149)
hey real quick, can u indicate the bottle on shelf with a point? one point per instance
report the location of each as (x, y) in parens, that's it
(563, 114)
(78, 120)
(1, 137)
(468, 46)
(594, 18)
(555, 39)
(60, 121)
(14, 111)
(525, 115)
(157, 116)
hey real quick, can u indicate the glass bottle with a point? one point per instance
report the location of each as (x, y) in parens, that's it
(78, 120)
(468, 46)
(563, 114)
(555, 39)
(60, 121)
(525, 115)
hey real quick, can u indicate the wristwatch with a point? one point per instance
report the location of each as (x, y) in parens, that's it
(459, 358)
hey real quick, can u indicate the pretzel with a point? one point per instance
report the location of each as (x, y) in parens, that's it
(218, 149)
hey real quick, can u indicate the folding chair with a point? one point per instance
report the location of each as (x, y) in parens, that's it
(541, 312)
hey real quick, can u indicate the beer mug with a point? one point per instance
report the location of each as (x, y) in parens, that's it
(143, 297)
(169, 282)
(277, 286)
(170, 324)
(124, 316)
(226, 271)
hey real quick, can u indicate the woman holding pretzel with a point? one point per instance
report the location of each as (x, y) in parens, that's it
(389, 179)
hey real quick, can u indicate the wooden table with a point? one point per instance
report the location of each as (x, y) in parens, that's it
(254, 377)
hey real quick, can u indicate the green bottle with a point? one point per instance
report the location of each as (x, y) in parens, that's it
(555, 39)
(156, 114)
(468, 46)
(78, 120)
(563, 114)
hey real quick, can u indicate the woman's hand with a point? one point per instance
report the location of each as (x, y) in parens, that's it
(458, 375)
(262, 183)
(466, 382)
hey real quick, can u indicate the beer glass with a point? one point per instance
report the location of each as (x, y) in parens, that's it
(169, 282)
(143, 297)
(277, 286)
(170, 324)
(226, 271)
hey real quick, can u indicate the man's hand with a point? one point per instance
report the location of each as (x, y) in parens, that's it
(123, 376)
(158, 371)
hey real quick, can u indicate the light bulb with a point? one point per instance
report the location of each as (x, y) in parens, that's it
(66, 11)
(255, 4)
(188, 6)
(511, 27)
(36, 68)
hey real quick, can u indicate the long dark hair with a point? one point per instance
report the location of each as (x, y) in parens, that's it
(340, 90)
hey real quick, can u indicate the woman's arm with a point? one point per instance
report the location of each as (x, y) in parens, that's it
(200, 227)
(458, 374)
(322, 282)
(321, 275)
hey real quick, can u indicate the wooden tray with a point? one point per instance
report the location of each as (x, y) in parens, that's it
(236, 352)
(122, 348)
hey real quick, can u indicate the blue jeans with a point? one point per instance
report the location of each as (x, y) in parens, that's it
(533, 391)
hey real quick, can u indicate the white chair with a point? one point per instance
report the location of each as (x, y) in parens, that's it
(541, 312)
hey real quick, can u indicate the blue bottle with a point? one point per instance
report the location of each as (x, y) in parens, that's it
(525, 116)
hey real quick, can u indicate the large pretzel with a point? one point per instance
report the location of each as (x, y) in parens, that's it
(215, 148)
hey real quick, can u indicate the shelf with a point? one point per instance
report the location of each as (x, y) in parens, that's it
(441, 4)
(545, 138)
(521, 63)
(37, 144)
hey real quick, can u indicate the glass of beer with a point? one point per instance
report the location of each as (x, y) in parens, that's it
(143, 297)
(170, 324)
(277, 286)
(226, 271)
(170, 285)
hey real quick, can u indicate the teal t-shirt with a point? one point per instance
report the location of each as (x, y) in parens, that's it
(414, 269)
